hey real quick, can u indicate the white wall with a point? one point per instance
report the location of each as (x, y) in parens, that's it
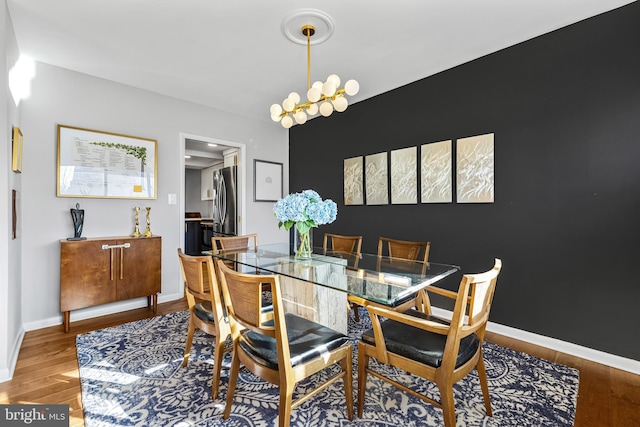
(64, 97)
(11, 331)
(193, 195)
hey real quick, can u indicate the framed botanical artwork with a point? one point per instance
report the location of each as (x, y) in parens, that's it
(101, 164)
(16, 150)
(267, 181)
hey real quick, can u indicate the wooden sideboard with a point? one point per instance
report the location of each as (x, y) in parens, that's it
(98, 271)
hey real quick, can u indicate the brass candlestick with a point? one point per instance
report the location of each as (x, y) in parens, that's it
(136, 231)
(147, 232)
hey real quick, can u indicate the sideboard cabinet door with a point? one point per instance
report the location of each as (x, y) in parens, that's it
(86, 276)
(139, 268)
(103, 270)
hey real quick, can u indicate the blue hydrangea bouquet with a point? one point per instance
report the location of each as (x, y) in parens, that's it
(305, 210)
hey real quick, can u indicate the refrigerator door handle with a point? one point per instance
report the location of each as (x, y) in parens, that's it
(222, 197)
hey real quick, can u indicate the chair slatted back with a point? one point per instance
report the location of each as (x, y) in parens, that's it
(472, 307)
(234, 242)
(195, 273)
(484, 285)
(341, 243)
(199, 275)
(243, 297)
(404, 249)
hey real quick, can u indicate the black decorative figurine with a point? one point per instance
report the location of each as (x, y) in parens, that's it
(77, 215)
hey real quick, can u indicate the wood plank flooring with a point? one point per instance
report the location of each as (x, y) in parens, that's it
(47, 372)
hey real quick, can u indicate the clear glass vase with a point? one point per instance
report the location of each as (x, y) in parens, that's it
(303, 244)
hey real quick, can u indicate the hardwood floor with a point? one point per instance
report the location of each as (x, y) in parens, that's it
(47, 372)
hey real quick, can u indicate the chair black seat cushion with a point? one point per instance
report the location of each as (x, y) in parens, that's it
(307, 340)
(204, 312)
(420, 345)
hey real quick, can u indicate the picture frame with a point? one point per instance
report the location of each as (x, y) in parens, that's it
(376, 174)
(16, 150)
(15, 213)
(435, 172)
(475, 169)
(353, 175)
(267, 181)
(98, 164)
(404, 176)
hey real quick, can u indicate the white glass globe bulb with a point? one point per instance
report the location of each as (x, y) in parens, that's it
(313, 94)
(351, 87)
(275, 117)
(312, 109)
(326, 108)
(288, 104)
(317, 84)
(294, 97)
(287, 122)
(340, 104)
(275, 109)
(300, 117)
(333, 78)
(329, 88)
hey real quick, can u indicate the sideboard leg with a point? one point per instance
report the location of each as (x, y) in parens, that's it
(67, 318)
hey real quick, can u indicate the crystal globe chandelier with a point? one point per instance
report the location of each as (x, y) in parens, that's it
(322, 97)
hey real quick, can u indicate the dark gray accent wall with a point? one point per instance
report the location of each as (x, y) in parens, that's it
(565, 110)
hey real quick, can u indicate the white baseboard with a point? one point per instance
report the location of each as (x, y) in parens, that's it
(101, 310)
(612, 360)
(7, 373)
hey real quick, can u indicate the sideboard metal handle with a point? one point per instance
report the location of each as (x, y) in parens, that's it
(124, 245)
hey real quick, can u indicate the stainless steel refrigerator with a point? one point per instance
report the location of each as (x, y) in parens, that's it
(225, 201)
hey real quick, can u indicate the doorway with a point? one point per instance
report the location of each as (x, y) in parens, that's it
(200, 157)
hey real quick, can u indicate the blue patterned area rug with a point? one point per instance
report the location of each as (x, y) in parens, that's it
(131, 375)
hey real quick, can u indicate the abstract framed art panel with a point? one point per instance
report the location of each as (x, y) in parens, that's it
(404, 176)
(353, 177)
(376, 176)
(475, 169)
(435, 172)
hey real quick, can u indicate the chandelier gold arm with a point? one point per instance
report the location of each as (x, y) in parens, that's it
(305, 105)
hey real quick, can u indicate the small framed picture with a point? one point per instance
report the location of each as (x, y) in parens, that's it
(16, 157)
(267, 181)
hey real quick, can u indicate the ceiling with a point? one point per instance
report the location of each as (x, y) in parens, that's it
(233, 56)
(201, 155)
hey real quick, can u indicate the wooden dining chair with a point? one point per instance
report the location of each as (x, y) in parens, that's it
(234, 242)
(206, 309)
(231, 243)
(404, 249)
(351, 245)
(439, 350)
(341, 243)
(283, 351)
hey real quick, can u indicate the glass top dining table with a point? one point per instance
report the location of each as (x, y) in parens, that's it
(379, 279)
